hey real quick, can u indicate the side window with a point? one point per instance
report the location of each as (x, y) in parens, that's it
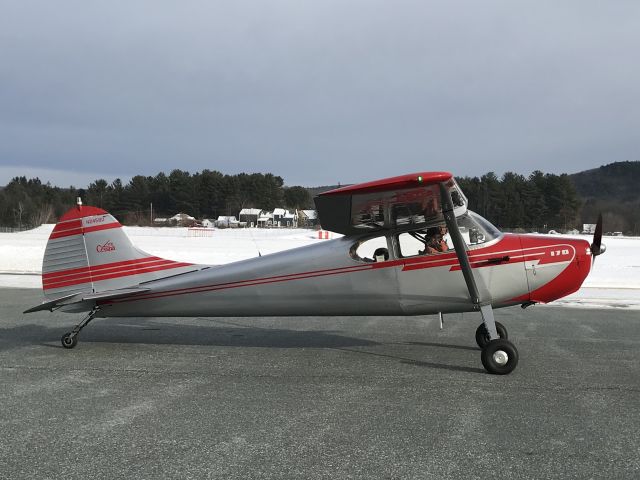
(371, 250)
(409, 245)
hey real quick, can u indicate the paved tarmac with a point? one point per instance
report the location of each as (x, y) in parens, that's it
(311, 398)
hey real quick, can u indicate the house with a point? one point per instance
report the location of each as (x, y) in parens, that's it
(225, 221)
(182, 220)
(290, 219)
(284, 218)
(307, 218)
(250, 216)
(206, 223)
(278, 215)
(265, 219)
(160, 221)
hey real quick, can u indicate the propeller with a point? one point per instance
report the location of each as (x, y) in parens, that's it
(597, 248)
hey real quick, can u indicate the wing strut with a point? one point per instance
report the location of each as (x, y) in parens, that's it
(481, 297)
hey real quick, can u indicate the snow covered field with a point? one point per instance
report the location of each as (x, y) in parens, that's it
(614, 281)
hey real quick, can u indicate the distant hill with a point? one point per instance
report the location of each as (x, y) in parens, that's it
(616, 181)
(313, 191)
(612, 189)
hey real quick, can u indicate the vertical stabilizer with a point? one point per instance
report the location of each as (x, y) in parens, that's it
(89, 252)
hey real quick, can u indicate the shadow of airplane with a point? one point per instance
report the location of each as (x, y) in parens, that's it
(219, 333)
(420, 363)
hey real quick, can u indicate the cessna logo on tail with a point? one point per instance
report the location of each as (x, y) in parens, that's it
(106, 247)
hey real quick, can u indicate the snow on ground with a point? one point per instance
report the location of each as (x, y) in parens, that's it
(21, 253)
(613, 282)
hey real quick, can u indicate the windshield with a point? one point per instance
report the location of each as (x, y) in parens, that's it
(476, 230)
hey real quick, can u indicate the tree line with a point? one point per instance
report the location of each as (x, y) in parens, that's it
(206, 194)
(538, 202)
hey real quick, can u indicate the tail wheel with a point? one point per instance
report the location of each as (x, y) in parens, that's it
(499, 357)
(69, 340)
(482, 335)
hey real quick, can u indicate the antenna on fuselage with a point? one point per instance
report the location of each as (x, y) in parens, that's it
(255, 243)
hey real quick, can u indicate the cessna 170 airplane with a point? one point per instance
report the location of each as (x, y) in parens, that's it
(410, 247)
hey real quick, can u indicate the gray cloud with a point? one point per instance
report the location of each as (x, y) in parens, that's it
(317, 92)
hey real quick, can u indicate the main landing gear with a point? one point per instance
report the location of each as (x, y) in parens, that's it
(70, 339)
(482, 334)
(499, 356)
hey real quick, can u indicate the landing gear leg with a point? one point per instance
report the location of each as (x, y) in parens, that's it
(482, 335)
(70, 340)
(499, 356)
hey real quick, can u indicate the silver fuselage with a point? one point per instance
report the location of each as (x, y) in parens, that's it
(325, 279)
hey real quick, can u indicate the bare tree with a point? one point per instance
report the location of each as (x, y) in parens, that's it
(43, 215)
(17, 212)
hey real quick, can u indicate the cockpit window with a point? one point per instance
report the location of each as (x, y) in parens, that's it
(371, 250)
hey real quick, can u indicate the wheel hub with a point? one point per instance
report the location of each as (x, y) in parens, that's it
(500, 357)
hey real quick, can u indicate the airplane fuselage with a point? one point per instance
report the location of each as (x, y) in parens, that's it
(325, 279)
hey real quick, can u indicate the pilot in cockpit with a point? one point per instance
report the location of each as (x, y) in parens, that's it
(381, 255)
(435, 242)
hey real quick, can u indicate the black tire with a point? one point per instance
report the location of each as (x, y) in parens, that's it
(69, 340)
(490, 357)
(482, 335)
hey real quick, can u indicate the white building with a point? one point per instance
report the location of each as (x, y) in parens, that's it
(265, 219)
(182, 220)
(225, 221)
(250, 216)
(308, 218)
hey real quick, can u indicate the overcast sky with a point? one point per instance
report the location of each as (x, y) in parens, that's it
(318, 92)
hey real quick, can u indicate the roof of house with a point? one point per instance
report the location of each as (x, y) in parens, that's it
(310, 214)
(227, 218)
(250, 211)
(279, 211)
(182, 216)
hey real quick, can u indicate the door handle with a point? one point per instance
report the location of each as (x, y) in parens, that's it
(498, 260)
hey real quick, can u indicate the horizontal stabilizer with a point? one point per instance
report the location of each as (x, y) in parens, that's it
(75, 298)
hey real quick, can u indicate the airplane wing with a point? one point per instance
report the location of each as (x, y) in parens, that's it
(405, 202)
(89, 298)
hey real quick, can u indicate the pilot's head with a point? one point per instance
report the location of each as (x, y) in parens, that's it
(381, 254)
(442, 230)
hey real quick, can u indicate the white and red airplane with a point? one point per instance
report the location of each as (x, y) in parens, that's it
(410, 247)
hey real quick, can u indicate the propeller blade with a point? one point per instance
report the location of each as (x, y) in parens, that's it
(596, 245)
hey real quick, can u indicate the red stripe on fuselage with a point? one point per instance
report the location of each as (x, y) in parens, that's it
(258, 281)
(408, 264)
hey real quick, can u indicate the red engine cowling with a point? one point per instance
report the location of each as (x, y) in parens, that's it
(555, 266)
